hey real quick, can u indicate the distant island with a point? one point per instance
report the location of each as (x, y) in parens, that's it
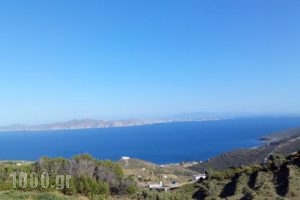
(92, 123)
(89, 124)
(80, 124)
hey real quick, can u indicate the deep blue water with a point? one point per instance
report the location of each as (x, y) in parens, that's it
(160, 143)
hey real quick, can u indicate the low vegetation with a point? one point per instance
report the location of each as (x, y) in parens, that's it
(89, 177)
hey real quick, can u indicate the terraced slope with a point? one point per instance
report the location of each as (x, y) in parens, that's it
(276, 179)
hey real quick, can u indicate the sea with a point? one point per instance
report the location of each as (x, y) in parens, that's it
(159, 143)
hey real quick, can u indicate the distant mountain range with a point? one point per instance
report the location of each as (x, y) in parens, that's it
(80, 124)
(91, 123)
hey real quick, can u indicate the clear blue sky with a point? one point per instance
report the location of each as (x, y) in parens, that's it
(114, 59)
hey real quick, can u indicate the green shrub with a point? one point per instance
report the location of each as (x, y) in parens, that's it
(88, 186)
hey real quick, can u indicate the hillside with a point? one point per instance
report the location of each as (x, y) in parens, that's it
(284, 143)
(278, 178)
(146, 173)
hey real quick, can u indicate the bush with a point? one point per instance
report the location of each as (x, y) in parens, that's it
(90, 177)
(277, 161)
(88, 186)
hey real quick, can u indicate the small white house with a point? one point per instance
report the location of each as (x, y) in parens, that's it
(155, 186)
(198, 177)
(125, 158)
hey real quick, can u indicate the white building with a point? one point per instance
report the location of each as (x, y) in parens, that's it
(198, 177)
(125, 158)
